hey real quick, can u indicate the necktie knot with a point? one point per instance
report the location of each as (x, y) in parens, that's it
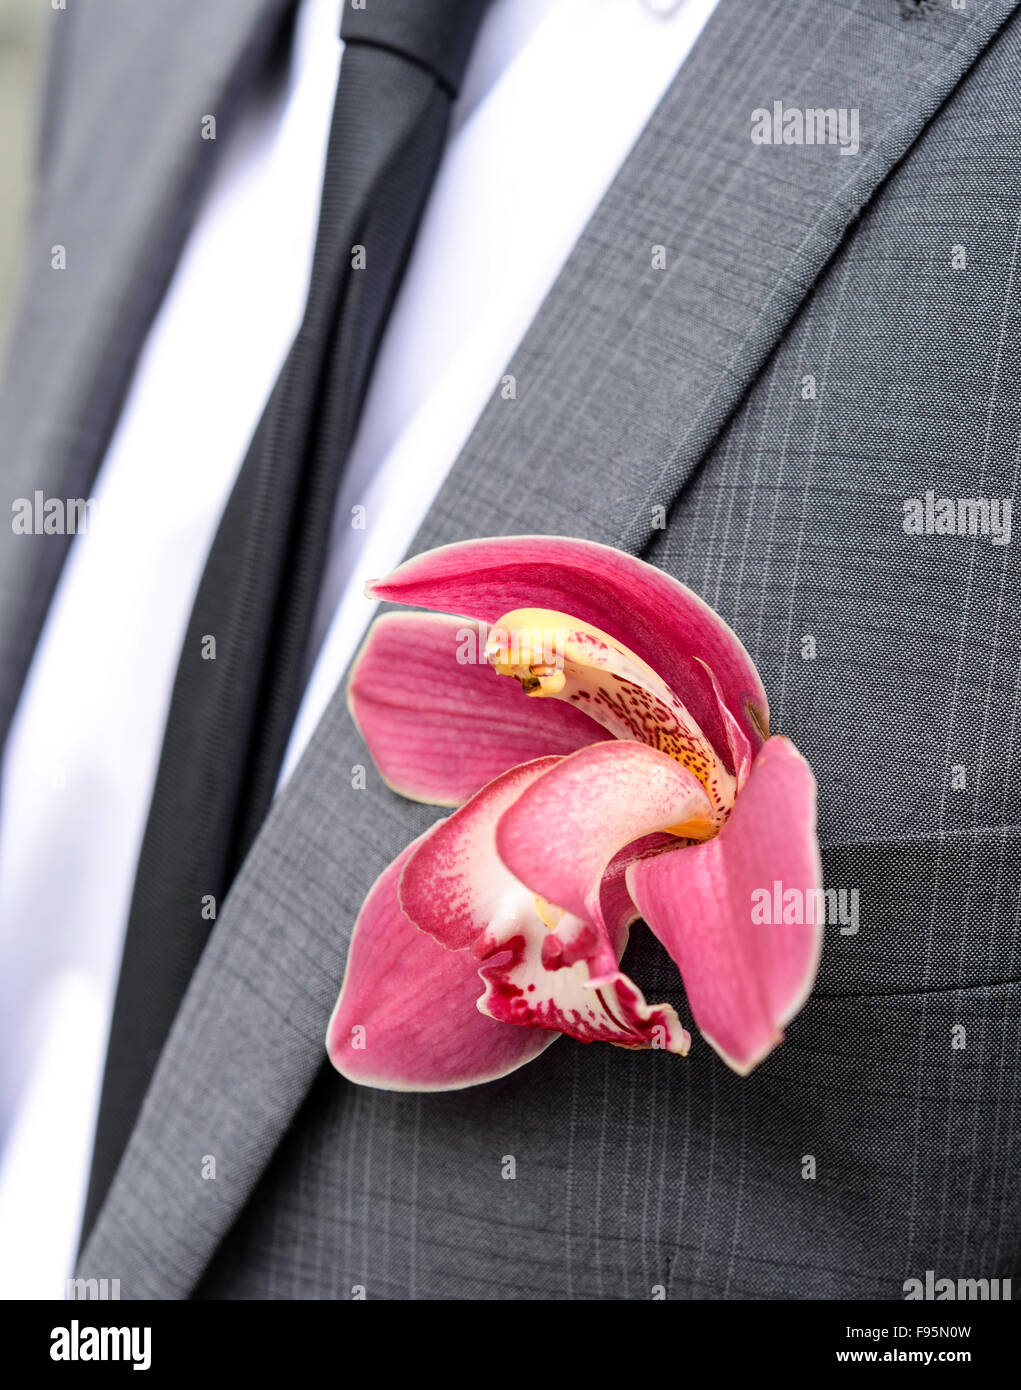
(434, 34)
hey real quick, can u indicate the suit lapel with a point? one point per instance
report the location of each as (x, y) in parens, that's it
(640, 368)
(621, 385)
(125, 167)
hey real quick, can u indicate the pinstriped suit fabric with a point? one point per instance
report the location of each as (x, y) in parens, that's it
(633, 1171)
(688, 388)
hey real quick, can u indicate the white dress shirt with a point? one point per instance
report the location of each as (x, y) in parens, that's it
(556, 93)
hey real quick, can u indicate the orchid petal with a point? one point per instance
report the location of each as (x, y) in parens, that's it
(562, 831)
(744, 979)
(738, 743)
(406, 1018)
(437, 720)
(663, 622)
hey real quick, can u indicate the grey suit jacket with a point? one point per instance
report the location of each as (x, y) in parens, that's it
(830, 335)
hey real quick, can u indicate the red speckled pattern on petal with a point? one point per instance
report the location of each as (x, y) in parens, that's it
(521, 990)
(529, 983)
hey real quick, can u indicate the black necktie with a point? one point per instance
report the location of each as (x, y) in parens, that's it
(234, 702)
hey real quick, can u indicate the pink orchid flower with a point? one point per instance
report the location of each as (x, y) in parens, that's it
(634, 778)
